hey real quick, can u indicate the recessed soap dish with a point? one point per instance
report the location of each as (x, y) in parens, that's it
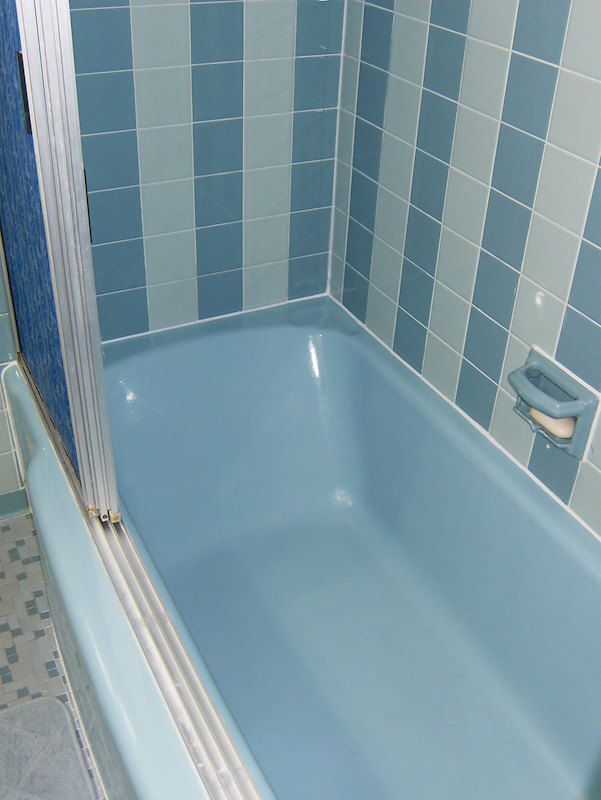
(554, 403)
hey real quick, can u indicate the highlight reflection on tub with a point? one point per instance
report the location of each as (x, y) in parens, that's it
(388, 607)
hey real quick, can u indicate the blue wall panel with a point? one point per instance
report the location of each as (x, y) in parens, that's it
(24, 238)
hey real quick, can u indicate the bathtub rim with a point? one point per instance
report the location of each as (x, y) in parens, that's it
(215, 767)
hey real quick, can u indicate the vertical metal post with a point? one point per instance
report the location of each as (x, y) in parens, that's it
(45, 29)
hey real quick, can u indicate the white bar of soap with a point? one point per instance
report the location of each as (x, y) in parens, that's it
(563, 428)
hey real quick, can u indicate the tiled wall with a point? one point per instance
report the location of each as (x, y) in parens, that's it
(468, 202)
(209, 139)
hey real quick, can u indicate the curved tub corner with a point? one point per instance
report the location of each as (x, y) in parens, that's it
(135, 740)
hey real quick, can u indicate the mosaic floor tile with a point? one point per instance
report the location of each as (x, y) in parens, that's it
(30, 662)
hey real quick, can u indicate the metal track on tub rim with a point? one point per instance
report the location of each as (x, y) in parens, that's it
(201, 728)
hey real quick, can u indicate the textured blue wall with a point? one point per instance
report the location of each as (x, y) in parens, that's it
(25, 240)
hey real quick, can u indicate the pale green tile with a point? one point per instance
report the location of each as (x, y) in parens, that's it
(493, 20)
(160, 36)
(449, 315)
(354, 23)
(564, 188)
(266, 240)
(5, 437)
(581, 50)
(413, 8)
(269, 29)
(386, 265)
(337, 277)
(537, 316)
(346, 134)
(465, 206)
(515, 356)
(511, 432)
(170, 257)
(265, 285)
(172, 304)
(163, 96)
(550, 257)
(594, 453)
(343, 186)
(266, 192)
(381, 315)
(9, 476)
(475, 143)
(267, 141)
(576, 118)
(402, 109)
(396, 164)
(268, 87)
(340, 228)
(350, 78)
(457, 263)
(391, 218)
(484, 77)
(441, 366)
(408, 49)
(586, 498)
(167, 207)
(165, 153)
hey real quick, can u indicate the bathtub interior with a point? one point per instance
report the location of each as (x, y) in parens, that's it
(379, 595)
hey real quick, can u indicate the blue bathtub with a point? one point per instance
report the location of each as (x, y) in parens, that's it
(382, 604)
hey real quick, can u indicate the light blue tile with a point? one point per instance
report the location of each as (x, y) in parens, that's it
(170, 257)
(529, 95)
(106, 102)
(579, 347)
(265, 285)
(585, 499)
(165, 153)
(316, 82)
(217, 32)
(517, 164)
(9, 476)
(268, 87)
(484, 77)
(163, 97)
(168, 207)
(550, 256)
(172, 304)
(540, 28)
(218, 199)
(485, 344)
(586, 286)
(576, 117)
(512, 432)
(465, 205)
(8, 349)
(119, 266)
(267, 141)
(266, 192)
(409, 340)
(537, 316)
(408, 52)
(476, 394)
(396, 166)
(402, 102)
(391, 219)
(380, 316)
(319, 27)
(457, 263)
(444, 62)
(592, 230)
(110, 160)
(441, 366)
(493, 22)
(217, 91)
(475, 143)
(219, 249)
(160, 36)
(307, 275)
(506, 229)
(436, 125)
(220, 294)
(555, 468)
(217, 147)
(269, 29)
(449, 316)
(115, 215)
(564, 188)
(122, 313)
(266, 240)
(581, 50)
(101, 40)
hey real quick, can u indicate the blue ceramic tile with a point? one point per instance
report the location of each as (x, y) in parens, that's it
(367, 149)
(485, 344)
(364, 200)
(106, 102)
(217, 147)
(579, 347)
(517, 164)
(476, 394)
(592, 230)
(219, 294)
(409, 340)
(355, 292)
(377, 37)
(217, 32)
(309, 232)
(217, 91)
(529, 95)
(312, 185)
(415, 295)
(371, 94)
(13, 503)
(122, 314)
(429, 184)
(506, 229)
(316, 82)
(436, 125)
(359, 247)
(318, 27)
(119, 266)
(101, 40)
(444, 62)
(384, 3)
(540, 28)
(218, 199)
(453, 14)
(553, 467)
(115, 215)
(586, 287)
(111, 160)
(422, 239)
(495, 290)
(307, 276)
(219, 249)
(314, 135)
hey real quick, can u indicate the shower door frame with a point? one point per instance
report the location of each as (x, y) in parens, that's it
(47, 48)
